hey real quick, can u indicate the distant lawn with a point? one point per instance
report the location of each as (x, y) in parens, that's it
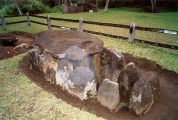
(167, 20)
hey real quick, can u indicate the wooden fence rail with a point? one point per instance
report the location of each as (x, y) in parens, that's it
(159, 30)
(173, 32)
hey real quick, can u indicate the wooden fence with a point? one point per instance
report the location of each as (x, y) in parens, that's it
(130, 28)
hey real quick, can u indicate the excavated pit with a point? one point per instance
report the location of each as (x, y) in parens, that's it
(12, 44)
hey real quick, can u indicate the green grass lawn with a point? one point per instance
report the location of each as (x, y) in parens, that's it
(22, 99)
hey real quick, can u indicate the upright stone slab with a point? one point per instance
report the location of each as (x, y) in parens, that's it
(143, 93)
(108, 94)
(98, 68)
(35, 59)
(141, 98)
(81, 83)
(112, 63)
(51, 72)
(127, 78)
(153, 79)
(65, 67)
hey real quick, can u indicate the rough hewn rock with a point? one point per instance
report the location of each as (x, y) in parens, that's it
(153, 80)
(112, 63)
(50, 75)
(108, 94)
(141, 98)
(35, 59)
(97, 68)
(70, 59)
(40, 61)
(51, 72)
(81, 83)
(65, 67)
(127, 78)
(143, 93)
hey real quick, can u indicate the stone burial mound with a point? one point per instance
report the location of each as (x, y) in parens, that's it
(78, 63)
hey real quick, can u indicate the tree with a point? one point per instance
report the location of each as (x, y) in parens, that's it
(97, 3)
(16, 4)
(106, 6)
(153, 4)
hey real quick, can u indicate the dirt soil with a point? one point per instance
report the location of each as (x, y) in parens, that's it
(23, 44)
(165, 108)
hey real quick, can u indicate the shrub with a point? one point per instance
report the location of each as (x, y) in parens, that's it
(56, 9)
(36, 7)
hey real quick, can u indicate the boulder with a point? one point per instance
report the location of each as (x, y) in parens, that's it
(112, 62)
(108, 94)
(81, 83)
(78, 57)
(65, 67)
(153, 79)
(35, 59)
(51, 72)
(97, 68)
(127, 78)
(143, 93)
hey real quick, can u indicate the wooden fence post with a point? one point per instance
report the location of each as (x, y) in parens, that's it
(81, 24)
(28, 18)
(49, 22)
(132, 32)
(3, 22)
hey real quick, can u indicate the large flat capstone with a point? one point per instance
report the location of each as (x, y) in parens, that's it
(58, 41)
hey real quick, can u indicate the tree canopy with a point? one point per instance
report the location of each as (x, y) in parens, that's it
(13, 7)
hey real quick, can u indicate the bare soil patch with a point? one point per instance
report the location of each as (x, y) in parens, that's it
(23, 44)
(165, 108)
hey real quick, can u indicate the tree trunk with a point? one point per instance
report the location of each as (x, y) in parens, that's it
(106, 6)
(15, 2)
(59, 2)
(153, 4)
(97, 3)
(65, 2)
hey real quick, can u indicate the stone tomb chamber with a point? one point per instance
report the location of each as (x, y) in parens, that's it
(79, 63)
